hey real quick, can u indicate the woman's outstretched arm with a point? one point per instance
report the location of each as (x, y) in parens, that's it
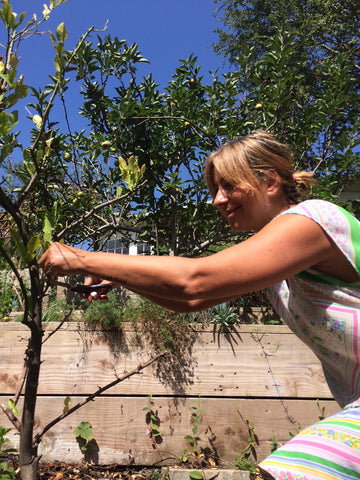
(286, 246)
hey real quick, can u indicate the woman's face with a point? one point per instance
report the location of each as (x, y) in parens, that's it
(242, 209)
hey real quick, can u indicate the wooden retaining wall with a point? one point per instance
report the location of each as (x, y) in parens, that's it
(260, 373)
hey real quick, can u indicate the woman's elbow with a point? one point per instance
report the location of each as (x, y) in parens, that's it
(191, 306)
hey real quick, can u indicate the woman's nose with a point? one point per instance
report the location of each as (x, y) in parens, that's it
(220, 198)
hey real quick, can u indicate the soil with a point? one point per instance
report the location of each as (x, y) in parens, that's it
(64, 471)
(93, 472)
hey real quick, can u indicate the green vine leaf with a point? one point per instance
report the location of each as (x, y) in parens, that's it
(84, 430)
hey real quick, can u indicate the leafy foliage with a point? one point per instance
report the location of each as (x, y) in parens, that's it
(298, 66)
(6, 472)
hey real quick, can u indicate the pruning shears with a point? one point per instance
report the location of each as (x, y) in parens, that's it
(80, 288)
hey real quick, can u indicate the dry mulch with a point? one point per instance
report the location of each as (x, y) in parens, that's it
(84, 471)
(61, 471)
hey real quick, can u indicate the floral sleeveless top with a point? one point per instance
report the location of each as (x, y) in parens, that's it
(322, 311)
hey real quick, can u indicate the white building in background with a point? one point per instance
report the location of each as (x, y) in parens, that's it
(115, 245)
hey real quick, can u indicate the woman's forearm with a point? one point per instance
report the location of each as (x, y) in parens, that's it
(183, 306)
(177, 283)
(274, 253)
(171, 278)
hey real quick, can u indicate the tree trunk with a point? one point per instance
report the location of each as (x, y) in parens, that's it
(28, 449)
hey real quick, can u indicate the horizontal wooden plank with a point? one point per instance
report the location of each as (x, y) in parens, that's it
(253, 361)
(121, 430)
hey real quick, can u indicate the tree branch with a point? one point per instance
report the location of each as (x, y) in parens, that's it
(98, 392)
(91, 212)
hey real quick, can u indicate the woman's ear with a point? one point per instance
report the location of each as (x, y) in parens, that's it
(273, 182)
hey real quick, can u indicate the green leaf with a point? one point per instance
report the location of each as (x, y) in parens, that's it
(39, 155)
(84, 430)
(53, 39)
(196, 475)
(21, 19)
(21, 90)
(50, 220)
(61, 32)
(31, 247)
(29, 165)
(67, 402)
(14, 62)
(15, 236)
(7, 15)
(12, 406)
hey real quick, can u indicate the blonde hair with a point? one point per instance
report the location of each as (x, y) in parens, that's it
(247, 161)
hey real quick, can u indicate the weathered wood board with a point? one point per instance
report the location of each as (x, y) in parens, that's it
(261, 373)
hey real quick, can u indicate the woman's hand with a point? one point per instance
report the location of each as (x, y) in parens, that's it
(97, 295)
(60, 260)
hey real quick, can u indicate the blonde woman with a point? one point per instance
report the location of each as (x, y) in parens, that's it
(305, 253)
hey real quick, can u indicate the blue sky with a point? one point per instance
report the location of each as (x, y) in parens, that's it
(165, 30)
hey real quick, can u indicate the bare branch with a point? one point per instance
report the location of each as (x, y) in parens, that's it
(7, 410)
(91, 212)
(98, 392)
(50, 334)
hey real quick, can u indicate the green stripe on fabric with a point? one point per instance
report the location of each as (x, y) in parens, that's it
(355, 236)
(354, 228)
(320, 277)
(316, 461)
(346, 424)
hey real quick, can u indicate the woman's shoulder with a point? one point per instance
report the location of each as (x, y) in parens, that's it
(339, 225)
(324, 212)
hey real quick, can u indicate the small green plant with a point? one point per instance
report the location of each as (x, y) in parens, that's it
(83, 433)
(156, 475)
(197, 456)
(6, 472)
(7, 294)
(153, 420)
(54, 312)
(296, 430)
(108, 313)
(274, 443)
(165, 329)
(247, 459)
(225, 315)
(321, 408)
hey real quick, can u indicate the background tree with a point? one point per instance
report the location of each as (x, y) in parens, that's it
(170, 132)
(299, 73)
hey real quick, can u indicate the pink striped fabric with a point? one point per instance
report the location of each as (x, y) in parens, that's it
(325, 314)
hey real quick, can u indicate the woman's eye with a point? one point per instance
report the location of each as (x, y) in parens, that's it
(227, 186)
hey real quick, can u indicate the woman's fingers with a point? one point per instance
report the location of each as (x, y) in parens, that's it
(60, 260)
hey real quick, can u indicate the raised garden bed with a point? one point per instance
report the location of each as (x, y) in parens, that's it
(251, 374)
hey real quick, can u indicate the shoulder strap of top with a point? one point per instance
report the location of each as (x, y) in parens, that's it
(342, 227)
